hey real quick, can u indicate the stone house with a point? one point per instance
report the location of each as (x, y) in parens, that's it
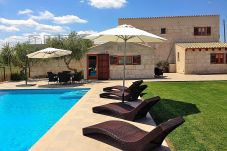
(192, 47)
(201, 58)
(177, 29)
(106, 61)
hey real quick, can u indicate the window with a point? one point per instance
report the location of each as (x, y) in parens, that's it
(113, 60)
(202, 31)
(120, 60)
(137, 60)
(130, 60)
(178, 56)
(163, 30)
(217, 58)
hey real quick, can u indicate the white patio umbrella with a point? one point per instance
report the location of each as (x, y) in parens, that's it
(125, 33)
(47, 53)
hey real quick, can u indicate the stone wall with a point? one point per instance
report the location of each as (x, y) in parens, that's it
(145, 70)
(172, 68)
(198, 62)
(41, 68)
(178, 29)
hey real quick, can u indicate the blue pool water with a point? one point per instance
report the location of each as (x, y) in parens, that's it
(25, 115)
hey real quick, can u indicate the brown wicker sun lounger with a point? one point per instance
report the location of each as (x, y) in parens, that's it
(128, 96)
(126, 111)
(128, 137)
(120, 88)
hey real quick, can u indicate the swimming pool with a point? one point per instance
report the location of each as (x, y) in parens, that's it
(25, 115)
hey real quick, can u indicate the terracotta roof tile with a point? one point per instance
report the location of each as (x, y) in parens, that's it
(203, 45)
(168, 17)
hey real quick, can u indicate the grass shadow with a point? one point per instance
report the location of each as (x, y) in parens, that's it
(167, 109)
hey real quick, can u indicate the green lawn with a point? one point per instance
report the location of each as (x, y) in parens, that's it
(204, 108)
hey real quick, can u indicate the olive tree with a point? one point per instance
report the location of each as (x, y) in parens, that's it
(7, 54)
(74, 43)
(21, 51)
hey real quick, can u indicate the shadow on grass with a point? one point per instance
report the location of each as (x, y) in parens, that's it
(167, 109)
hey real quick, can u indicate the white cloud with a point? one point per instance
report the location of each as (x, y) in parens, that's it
(8, 28)
(37, 38)
(31, 24)
(43, 15)
(107, 3)
(32, 38)
(49, 28)
(86, 32)
(46, 15)
(69, 19)
(12, 40)
(26, 11)
(17, 23)
(36, 34)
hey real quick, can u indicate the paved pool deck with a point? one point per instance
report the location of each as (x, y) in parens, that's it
(66, 134)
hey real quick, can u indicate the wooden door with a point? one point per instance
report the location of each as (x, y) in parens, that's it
(103, 67)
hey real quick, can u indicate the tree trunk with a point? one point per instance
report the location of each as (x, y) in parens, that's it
(10, 68)
(67, 62)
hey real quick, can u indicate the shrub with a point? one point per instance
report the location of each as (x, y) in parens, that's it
(79, 75)
(164, 65)
(17, 77)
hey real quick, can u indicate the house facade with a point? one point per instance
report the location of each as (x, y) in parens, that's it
(180, 32)
(177, 29)
(192, 47)
(201, 58)
(106, 61)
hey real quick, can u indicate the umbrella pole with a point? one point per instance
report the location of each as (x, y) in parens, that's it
(123, 96)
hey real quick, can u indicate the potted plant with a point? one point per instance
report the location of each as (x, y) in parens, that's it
(164, 65)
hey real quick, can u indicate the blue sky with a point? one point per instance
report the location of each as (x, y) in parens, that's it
(20, 18)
